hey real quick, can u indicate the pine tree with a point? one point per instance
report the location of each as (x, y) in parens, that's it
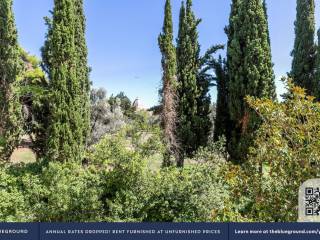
(303, 64)
(249, 69)
(67, 71)
(188, 92)
(10, 70)
(169, 81)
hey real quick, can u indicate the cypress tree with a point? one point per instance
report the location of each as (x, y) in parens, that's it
(203, 122)
(82, 70)
(169, 82)
(303, 64)
(249, 69)
(265, 9)
(317, 68)
(222, 120)
(272, 84)
(10, 70)
(66, 133)
(187, 62)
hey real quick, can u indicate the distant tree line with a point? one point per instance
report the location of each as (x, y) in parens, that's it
(60, 99)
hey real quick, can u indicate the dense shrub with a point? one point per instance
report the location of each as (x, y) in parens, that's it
(134, 192)
(286, 153)
(116, 183)
(71, 193)
(189, 195)
(13, 205)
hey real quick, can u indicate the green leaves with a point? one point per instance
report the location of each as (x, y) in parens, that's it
(250, 71)
(10, 70)
(304, 52)
(284, 155)
(65, 58)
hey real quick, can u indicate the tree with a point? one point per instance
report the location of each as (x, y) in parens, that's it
(222, 119)
(272, 87)
(194, 101)
(304, 52)
(106, 116)
(10, 70)
(203, 122)
(285, 154)
(169, 87)
(125, 104)
(83, 70)
(265, 9)
(317, 69)
(34, 98)
(250, 71)
(219, 79)
(68, 74)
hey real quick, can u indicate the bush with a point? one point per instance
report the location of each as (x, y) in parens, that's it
(71, 193)
(13, 206)
(286, 153)
(116, 183)
(134, 192)
(186, 195)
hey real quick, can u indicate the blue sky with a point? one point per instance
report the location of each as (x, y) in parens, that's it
(122, 38)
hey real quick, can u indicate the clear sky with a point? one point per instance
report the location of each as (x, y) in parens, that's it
(122, 38)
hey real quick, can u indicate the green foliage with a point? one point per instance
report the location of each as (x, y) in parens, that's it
(214, 152)
(71, 193)
(34, 92)
(316, 90)
(125, 104)
(250, 71)
(13, 205)
(10, 72)
(188, 92)
(194, 101)
(285, 154)
(169, 88)
(304, 52)
(57, 192)
(139, 139)
(69, 84)
(106, 115)
(186, 195)
(82, 91)
(222, 120)
(133, 192)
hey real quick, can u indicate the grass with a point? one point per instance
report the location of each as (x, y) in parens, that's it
(23, 155)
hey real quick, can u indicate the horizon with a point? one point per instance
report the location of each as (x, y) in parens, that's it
(134, 66)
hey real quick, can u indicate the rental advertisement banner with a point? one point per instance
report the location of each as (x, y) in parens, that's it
(159, 231)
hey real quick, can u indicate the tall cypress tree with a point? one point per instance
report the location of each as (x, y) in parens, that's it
(303, 64)
(249, 69)
(265, 9)
(169, 88)
(272, 84)
(82, 70)
(203, 122)
(222, 120)
(188, 92)
(65, 133)
(317, 69)
(10, 70)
